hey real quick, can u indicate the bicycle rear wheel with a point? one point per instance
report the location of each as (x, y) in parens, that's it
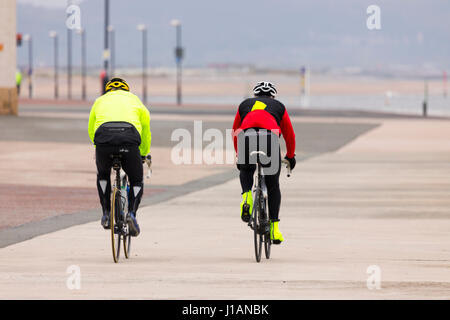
(257, 237)
(115, 228)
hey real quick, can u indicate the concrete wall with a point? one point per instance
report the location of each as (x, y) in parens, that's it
(8, 92)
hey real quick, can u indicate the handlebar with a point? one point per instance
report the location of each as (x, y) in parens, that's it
(148, 161)
(284, 161)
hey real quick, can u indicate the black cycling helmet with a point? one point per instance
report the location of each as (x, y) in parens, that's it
(265, 88)
(116, 84)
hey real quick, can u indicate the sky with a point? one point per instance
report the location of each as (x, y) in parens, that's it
(48, 3)
(285, 34)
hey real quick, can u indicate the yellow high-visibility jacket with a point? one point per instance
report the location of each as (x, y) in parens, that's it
(121, 105)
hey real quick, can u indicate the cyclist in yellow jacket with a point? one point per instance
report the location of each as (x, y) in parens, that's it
(119, 123)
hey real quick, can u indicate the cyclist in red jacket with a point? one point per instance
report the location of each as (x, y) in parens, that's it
(264, 113)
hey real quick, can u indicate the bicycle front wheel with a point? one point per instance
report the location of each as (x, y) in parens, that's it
(127, 245)
(126, 242)
(267, 245)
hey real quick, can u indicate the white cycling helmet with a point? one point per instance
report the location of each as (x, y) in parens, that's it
(265, 88)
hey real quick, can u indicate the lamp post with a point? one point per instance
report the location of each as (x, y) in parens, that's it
(28, 39)
(82, 33)
(112, 50)
(54, 36)
(69, 59)
(425, 99)
(106, 53)
(143, 28)
(179, 53)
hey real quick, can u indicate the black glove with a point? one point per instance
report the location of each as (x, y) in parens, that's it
(147, 157)
(292, 162)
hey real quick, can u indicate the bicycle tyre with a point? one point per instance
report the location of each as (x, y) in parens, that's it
(126, 241)
(127, 245)
(257, 237)
(115, 237)
(267, 241)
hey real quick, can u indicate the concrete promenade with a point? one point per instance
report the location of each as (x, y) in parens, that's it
(367, 191)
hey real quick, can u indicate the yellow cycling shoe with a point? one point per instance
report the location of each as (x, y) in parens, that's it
(246, 206)
(275, 233)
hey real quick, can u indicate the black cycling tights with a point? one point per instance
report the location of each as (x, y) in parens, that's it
(272, 183)
(131, 164)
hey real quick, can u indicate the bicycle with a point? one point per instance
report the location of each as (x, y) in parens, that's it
(119, 201)
(259, 220)
(119, 226)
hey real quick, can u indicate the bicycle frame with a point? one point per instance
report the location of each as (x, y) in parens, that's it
(117, 181)
(119, 224)
(259, 221)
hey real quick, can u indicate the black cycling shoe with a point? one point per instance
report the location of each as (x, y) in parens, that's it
(245, 216)
(105, 222)
(133, 225)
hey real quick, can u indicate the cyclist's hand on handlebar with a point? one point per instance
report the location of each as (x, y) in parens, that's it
(292, 162)
(147, 158)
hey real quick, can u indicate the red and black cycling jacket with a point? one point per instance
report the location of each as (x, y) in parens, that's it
(266, 113)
